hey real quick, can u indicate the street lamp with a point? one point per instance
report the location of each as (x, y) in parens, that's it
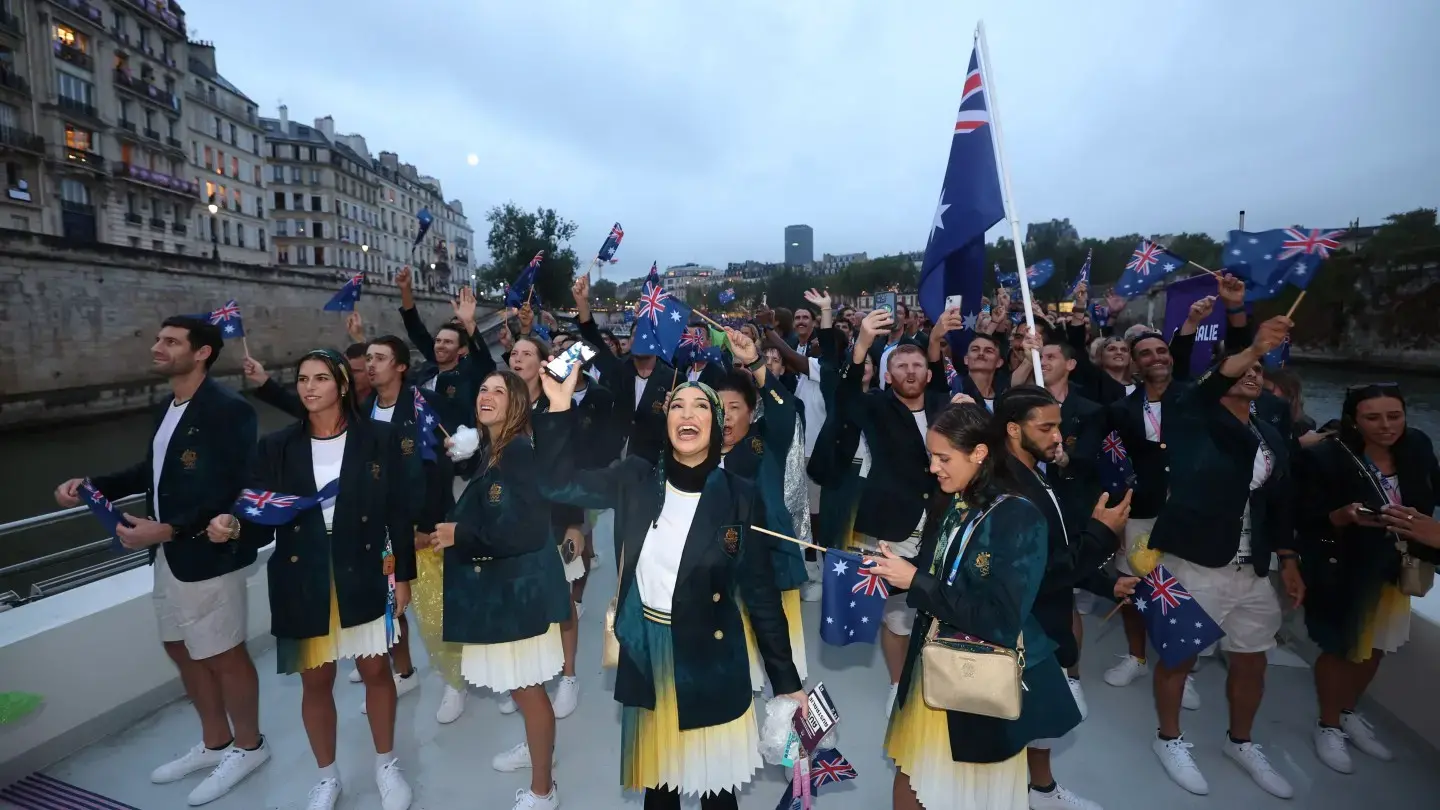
(365, 249)
(214, 232)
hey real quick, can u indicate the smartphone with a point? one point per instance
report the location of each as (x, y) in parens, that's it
(1367, 511)
(985, 308)
(953, 302)
(886, 301)
(560, 367)
(1067, 306)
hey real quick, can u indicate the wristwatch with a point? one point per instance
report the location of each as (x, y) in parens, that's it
(757, 365)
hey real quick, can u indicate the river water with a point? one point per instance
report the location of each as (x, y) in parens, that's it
(38, 460)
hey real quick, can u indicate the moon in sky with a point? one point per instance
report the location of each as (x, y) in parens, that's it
(473, 160)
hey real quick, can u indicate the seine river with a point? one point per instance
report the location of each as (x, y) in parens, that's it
(37, 460)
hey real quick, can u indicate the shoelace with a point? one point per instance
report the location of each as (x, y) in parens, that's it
(1252, 753)
(525, 796)
(230, 760)
(1334, 736)
(386, 776)
(1069, 798)
(318, 792)
(1179, 751)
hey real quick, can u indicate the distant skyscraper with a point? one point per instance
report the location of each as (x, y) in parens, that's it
(799, 245)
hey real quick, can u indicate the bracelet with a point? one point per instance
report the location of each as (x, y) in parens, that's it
(1234, 310)
(757, 365)
(235, 528)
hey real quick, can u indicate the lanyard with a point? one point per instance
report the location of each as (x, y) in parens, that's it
(1151, 417)
(1265, 454)
(948, 534)
(1387, 486)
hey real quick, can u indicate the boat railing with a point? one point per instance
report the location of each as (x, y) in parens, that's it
(69, 579)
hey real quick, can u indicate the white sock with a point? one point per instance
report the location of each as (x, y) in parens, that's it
(381, 760)
(329, 772)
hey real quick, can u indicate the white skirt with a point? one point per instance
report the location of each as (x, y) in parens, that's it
(514, 664)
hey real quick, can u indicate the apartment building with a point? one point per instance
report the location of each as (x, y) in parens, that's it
(443, 258)
(227, 158)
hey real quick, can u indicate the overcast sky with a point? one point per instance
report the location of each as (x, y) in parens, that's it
(706, 127)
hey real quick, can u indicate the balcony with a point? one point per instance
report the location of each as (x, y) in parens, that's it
(10, 24)
(133, 218)
(154, 179)
(178, 227)
(163, 16)
(73, 55)
(15, 138)
(84, 11)
(153, 134)
(75, 106)
(157, 223)
(85, 159)
(129, 126)
(155, 95)
(174, 143)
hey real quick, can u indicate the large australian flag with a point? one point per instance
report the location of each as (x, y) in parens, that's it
(970, 203)
(660, 320)
(1270, 260)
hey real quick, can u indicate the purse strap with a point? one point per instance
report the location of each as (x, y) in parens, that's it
(1369, 474)
(955, 568)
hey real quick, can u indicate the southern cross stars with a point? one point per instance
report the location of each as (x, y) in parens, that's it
(940, 208)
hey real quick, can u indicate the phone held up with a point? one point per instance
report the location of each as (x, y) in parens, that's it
(886, 301)
(560, 367)
(953, 302)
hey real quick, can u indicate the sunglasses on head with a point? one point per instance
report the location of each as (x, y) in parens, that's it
(1380, 387)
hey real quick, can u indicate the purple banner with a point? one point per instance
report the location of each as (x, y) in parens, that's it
(1178, 298)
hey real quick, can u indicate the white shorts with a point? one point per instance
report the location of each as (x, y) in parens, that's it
(899, 617)
(209, 616)
(1244, 605)
(1133, 529)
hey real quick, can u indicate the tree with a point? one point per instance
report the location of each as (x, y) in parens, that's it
(604, 290)
(516, 236)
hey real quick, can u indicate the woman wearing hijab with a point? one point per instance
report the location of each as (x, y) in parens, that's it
(687, 556)
(982, 558)
(758, 449)
(329, 576)
(1366, 502)
(505, 591)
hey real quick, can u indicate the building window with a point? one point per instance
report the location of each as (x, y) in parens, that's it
(295, 176)
(262, 238)
(315, 203)
(74, 88)
(209, 158)
(234, 136)
(282, 255)
(279, 200)
(319, 256)
(74, 191)
(297, 202)
(66, 35)
(240, 234)
(237, 200)
(225, 231)
(79, 139)
(277, 174)
(302, 254)
(254, 139)
(314, 176)
(258, 175)
(235, 167)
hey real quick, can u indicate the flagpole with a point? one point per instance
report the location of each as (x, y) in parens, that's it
(989, 83)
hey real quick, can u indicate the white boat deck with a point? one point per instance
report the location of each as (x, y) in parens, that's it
(1108, 760)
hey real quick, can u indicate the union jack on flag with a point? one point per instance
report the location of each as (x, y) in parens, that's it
(1315, 242)
(268, 508)
(652, 303)
(1147, 254)
(1114, 447)
(1181, 628)
(694, 338)
(612, 243)
(976, 116)
(260, 500)
(828, 766)
(227, 318)
(870, 583)
(1166, 590)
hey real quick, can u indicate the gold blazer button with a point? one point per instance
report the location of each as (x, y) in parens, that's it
(715, 597)
(477, 569)
(294, 559)
(364, 518)
(719, 634)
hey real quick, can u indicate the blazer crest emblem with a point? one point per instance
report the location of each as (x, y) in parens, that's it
(188, 459)
(756, 445)
(495, 492)
(407, 446)
(982, 563)
(450, 391)
(732, 540)
(657, 406)
(375, 470)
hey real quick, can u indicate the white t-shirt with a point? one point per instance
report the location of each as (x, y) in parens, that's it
(579, 395)
(1129, 389)
(693, 375)
(429, 385)
(923, 423)
(160, 445)
(640, 383)
(862, 455)
(807, 390)
(659, 563)
(380, 414)
(1259, 473)
(326, 457)
(1153, 424)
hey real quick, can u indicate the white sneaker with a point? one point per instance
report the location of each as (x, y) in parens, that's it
(1362, 734)
(1077, 692)
(1248, 756)
(1125, 672)
(1191, 698)
(1084, 602)
(890, 702)
(516, 759)
(198, 758)
(395, 793)
(1330, 747)
(403, 687)
(567, 697)
(525, 800)
(324, 795)
(1059, 799)
(507, 704)
(234, 766)
(579, 610)
(1179, 765)
(355, 676)
(452, 705)
(811, 591)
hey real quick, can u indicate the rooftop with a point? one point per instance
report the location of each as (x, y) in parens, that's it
(1108, 760)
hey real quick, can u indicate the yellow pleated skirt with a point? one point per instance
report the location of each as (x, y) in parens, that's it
(918, 740)
(1387, 628)
(294, 655)
(790, 601)
(427, 594)
(655, 753)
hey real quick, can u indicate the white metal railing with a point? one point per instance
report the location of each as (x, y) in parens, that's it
(73, 579)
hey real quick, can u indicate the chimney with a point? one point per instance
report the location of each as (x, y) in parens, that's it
(284, 120)
(326, 126)
(204, 52)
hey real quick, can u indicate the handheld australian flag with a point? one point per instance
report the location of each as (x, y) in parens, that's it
(1083, 277)
(1176, 624)
(425, 424)
(523, 290)
(970, 203)
(1147, 266)
(1269, 260)
(1036, 275)
(660, 320)
(425, 220)
(274, 509)
(104, 511)
(1117, 473)
(612, 243)
(727, 295)
(349, 295)
(227, 318)
(853, 600)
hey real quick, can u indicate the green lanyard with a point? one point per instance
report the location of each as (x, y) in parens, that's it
(949, 528)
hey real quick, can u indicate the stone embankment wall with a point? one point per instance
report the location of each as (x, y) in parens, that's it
(77, 323)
